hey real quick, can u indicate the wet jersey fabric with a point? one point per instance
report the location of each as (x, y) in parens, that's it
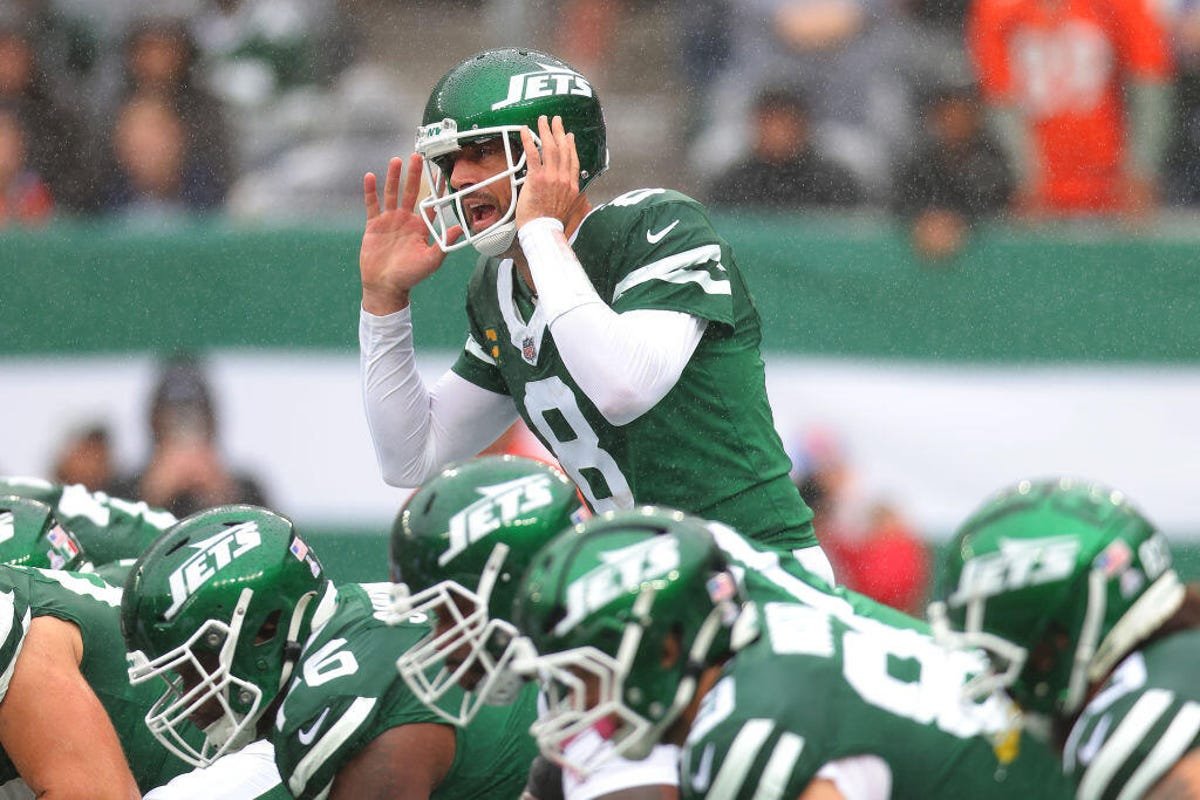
(94, 607)
(108, 528)
(834, 675)
(1144, 719)
(709, 447)
(346, 692)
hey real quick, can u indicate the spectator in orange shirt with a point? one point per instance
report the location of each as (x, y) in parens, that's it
(24, 197)
(1079, 90)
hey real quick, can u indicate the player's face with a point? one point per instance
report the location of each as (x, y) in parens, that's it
(475, 163)
(460, 654)
(211, 711)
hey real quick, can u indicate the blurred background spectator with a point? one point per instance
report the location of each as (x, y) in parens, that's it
(872, 547)
(1182, 173)
(956, 175)
(170, 143)
(186, 471)
(86, 458)
(1079, 91)
(784, 169)
(153, 171)
(25, 198)
(57, 149)
(853, 45)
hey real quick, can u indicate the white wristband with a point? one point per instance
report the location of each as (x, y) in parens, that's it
(557, 274)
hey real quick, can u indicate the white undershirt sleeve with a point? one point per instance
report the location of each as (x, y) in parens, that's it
(241, 775)
(865, 777)
(417, 430)
(625, 363)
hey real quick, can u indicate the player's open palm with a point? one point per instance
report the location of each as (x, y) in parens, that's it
(396, 253)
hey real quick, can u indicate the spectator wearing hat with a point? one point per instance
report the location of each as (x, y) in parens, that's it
(186, 471)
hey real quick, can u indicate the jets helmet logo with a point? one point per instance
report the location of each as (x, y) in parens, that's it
(546, 82)
(623, 570)
(501, 504)
(1016, 565)
(211, 556)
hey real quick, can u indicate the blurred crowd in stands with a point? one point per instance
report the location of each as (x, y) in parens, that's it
(942, 112)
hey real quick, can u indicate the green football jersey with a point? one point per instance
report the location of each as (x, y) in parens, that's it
(710, 446)
(1144, 719)
(346, 692)
(833, 676)
(108, 528)
(94, 607)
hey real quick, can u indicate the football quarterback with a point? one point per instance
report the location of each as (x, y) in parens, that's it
(622, 333)
(233, 610)
(1072, 593)
(460, 545)
(655, 626)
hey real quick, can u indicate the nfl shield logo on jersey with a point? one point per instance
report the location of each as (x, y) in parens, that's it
(528, 351)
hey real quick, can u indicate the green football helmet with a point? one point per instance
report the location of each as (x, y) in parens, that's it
(218, 608)
(497, 93)
(459, 547)
(1057, 581)
(31, 536)
(602, 603)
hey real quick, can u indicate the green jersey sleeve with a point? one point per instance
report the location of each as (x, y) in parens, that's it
(110, 528)
(671, 259)
(1142, 721)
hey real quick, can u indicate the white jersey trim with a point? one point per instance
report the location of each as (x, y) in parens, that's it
(673, 269)
(865, 777)
(1124, 740)
(1169, 749)
(334, 738)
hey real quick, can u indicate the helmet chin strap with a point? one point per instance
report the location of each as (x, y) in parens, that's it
(292, 645)
(496, 241)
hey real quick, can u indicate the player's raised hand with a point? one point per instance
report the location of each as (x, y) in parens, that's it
(396, 253)
(551, 187)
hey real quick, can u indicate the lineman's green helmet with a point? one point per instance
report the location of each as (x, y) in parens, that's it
(31, 536)
(628, 608)
(1057, 580)
(460, 545)
(218, 608)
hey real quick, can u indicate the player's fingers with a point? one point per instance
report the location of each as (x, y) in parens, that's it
(559, 135)
(370, 196)
(412, 183)
(391, 185)
(572, 157)
(550, 149)
(454, 234)
(533, 159)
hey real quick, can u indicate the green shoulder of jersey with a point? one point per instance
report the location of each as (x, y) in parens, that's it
(108, 529)
(709, 447)
(93, 606)
(346, 692)
(1144, 719)
(867, 689)
(873, 682)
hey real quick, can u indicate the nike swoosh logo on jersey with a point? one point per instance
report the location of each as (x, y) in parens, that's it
(1087, 751)
(306, 737)
(655, 238)
(703, 775)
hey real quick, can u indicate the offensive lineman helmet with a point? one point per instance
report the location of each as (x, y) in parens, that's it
(1056, 580)
(31, 536)
(459, 547)
(603, 604)
(493, 94)
(218, 608)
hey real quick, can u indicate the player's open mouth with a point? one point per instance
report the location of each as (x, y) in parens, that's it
(481, 214)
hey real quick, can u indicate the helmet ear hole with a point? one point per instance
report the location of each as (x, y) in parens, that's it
(269, 629)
